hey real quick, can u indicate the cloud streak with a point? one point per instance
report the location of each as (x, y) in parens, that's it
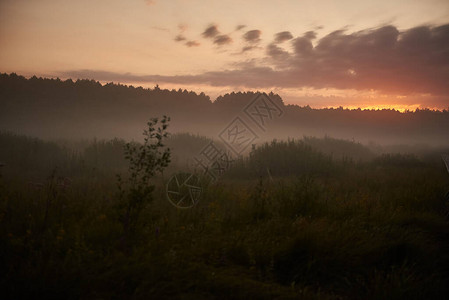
(222, 39)
(180, 38)
(239, 27)
(192, 44)
(283, 36)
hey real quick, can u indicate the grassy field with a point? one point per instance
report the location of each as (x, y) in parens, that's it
(289, 221)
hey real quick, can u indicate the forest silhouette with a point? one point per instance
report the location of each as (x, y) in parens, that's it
(53, 108)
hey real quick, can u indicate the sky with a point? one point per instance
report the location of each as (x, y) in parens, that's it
(368, 54)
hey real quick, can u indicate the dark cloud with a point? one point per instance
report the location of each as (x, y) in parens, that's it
(282, 36)
(252, 36)
(414, 61)
(303, 46)
(310, 35)
(211, 31)
(192, 44)
(239, 27)
(222, 39)
(277, 52)
(180, 38)
(249, 48)
(219, 39)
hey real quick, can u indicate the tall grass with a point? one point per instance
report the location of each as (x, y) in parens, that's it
(317, 227)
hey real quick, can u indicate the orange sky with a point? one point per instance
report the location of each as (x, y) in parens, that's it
(321, 53)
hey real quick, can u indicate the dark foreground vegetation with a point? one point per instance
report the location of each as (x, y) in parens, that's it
(290, 221)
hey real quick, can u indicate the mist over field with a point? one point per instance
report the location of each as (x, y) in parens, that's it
(224, 149)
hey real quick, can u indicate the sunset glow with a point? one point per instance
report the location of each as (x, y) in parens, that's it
(290, 47)
(400, 108)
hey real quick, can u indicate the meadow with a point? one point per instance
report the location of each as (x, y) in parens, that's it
(316, 218)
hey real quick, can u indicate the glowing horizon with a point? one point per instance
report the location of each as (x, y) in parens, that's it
(392, 106)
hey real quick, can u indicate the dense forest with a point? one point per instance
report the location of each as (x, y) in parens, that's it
(53, 108)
